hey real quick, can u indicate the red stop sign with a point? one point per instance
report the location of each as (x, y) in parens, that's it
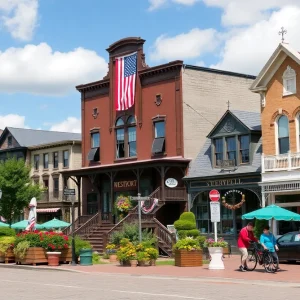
(214, 195)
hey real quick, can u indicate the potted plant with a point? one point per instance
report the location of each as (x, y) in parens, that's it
(188, 253)
(153, 255)
(111, 252)
(123, 205)
(31, 250)
(126, 254)
(54, 243)
(6, 249)
(215, 249)
(142, 258)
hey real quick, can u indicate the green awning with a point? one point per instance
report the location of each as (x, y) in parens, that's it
(55, 223)
(23, 224)
(3, 224)
(272, 212)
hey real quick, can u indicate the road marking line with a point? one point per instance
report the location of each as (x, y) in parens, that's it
(107, 290)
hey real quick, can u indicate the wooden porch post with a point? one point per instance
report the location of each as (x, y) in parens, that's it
(78, 179)
(162, 183)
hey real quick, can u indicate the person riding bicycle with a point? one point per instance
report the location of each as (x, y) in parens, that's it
(268, 241)
(245, 237)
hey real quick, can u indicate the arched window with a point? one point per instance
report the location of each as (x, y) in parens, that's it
(289, 81)
(283, 135)
(125, 137)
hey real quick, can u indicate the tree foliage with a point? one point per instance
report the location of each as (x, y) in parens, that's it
(17, 188)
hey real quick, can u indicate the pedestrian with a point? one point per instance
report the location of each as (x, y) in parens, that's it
(268, 241)
(245, 237)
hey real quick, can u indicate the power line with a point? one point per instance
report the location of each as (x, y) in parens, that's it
(198, 113)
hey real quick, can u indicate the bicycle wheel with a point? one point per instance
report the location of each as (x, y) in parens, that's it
(269, 264)
(251, 261)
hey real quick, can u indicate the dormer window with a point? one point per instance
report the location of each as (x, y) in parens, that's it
(289, 81)
(218, 151)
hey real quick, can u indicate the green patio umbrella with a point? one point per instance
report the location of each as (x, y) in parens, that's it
(272, 212)
(55, 223)
(3, 224)
(23, 224)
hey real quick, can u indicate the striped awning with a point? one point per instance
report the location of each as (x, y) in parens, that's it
(47, 210)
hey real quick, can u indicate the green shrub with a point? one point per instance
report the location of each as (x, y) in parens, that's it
(188, 244)
(6, 231)
(6, 242)
(21, 249)
(96, 258)
(188, 233)
(201, 240)
(130, 231)
(184, 225)
(259, 226)
(81, 244)
(188, 216)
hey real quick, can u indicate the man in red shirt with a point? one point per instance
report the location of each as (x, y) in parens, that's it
(245, 237)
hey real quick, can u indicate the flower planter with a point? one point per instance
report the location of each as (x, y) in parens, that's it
(34, 255)
(66, 255)
(125, 263)
(133, 263)
(53, 258)
(142, 263)
(152, 262)
(9, 256)
(216, 254)
(113, 258)
(2, 257)
(184, 258)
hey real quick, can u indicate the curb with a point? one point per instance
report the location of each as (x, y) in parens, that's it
(38, 268)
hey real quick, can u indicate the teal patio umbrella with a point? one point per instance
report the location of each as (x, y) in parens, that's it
(55, 223)
(23, 224)
(272, 212)
(3, 224)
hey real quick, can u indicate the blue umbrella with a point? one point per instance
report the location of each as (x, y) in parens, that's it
(55, 223)
(272, 212)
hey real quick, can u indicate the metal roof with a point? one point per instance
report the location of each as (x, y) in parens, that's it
(250, 119)
(32, 137)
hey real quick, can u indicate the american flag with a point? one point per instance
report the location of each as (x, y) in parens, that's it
(125, 76)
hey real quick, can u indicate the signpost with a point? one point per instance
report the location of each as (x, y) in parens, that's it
(214, 196)
(139, 199)
(69, 192)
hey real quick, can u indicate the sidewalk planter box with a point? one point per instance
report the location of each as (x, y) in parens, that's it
(66, 255)
(34, 255)
(184, 258)
(7, 257)
(216, 254)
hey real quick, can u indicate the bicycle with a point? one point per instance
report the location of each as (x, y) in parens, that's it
(258, 255)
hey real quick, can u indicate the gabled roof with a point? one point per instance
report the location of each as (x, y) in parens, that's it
(202, 166)
(250, 120)
(32, 137)
(272, 65)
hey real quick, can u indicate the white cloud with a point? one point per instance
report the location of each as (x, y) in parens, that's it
(185, 45)
(155, 4)
(243, 12)
(19, 17)
(71, 124)
(248, 49)
(37, 69)
(12, 120)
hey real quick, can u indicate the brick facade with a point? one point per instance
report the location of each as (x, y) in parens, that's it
(277, 104)
(207, 92)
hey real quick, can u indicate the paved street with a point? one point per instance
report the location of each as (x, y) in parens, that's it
(53, 284)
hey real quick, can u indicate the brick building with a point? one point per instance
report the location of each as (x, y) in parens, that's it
(137, 150)
(278, 84)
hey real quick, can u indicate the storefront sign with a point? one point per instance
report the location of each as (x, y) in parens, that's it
(171, 182)
(224, 182)
(125, 185)
(233, 191)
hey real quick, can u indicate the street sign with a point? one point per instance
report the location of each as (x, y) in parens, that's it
(69, 192)
(215, 211)
(214, 195)
(140, 198)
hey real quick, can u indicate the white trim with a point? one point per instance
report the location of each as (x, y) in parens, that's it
(297, 124)
(276, 134)
(289, 74)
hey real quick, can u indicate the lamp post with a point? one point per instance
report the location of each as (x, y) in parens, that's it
(73, 229)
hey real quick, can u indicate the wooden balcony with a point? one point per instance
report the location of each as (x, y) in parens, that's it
(175, 194)
(281, 162)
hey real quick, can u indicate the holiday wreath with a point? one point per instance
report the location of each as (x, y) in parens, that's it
(233, 206)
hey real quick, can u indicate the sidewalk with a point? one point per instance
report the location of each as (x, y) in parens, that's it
(288, 273)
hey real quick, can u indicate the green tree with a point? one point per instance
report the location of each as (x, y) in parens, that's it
(259, 227)
(17, 188)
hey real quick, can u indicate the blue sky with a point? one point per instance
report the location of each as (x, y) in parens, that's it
(50, 46)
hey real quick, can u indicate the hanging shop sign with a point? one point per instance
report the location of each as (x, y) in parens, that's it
(233, 206)
(171, 182)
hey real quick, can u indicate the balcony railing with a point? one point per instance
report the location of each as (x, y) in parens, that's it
(281, 162)
(53, 196)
